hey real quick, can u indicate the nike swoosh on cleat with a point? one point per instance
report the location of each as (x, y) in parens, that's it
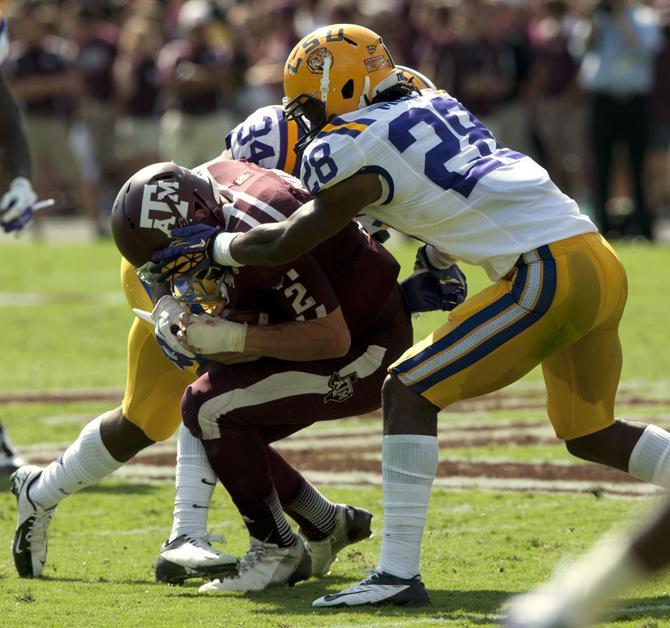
(336, 596)
(380, 592)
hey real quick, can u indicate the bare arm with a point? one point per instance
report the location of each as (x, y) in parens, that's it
(315, 339)
(297, 341)
(15, 156)
(329, 212)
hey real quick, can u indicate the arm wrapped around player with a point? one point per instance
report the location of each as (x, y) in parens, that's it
(431, 287)
(195, 247)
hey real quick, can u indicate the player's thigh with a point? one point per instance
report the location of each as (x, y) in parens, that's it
(487, 343)
(272, 392)
(154, 385)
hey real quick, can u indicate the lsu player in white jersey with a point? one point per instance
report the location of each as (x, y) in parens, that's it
(421, 163)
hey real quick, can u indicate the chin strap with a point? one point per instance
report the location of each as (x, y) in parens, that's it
(365, 100)
(324, 86)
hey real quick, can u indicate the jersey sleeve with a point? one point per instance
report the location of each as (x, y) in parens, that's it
(266, 139)
(334, 155)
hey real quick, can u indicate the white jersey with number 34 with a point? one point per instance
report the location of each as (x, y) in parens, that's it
(446, 180)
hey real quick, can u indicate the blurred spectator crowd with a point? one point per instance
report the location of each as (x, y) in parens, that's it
(583, 86)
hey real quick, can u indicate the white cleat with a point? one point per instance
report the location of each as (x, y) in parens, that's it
(32, 521)
(542, 609)
(192, 557)
(265, 565)
(351, 526)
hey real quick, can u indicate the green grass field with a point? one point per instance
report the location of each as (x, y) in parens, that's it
(65, 322)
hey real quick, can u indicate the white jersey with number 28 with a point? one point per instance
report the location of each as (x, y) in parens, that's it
(446, 180)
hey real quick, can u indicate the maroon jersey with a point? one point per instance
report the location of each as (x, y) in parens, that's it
(345, 270)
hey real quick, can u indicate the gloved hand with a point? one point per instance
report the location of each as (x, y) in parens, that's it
(165, 317)
(16, 205)
(429, 288)
(188, 253)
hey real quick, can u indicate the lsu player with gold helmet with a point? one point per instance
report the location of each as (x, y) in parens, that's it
(422, 163)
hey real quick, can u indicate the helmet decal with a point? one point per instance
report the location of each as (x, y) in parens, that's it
(162, 197)
(317, 60)
(376, 63)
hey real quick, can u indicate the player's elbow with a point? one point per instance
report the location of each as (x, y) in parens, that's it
(334, 335)
(340, 344)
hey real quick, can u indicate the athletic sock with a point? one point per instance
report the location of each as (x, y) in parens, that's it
(650, 458)
(84, 462)
(300, 500)
(409, 466)
(194, 485)
(312, 512)
(585, 589)
(265, 519)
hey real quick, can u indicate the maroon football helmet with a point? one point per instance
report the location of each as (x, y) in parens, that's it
(155, 200)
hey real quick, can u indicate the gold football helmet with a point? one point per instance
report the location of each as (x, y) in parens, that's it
(414, 78)
(334, 70)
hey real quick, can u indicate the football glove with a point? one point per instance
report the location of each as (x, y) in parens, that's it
(429, 288)
(209, 334)
(188, 253)
(165, 317)
(16, 205)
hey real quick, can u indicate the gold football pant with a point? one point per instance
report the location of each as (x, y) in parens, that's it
(560, 307)
(154, 385)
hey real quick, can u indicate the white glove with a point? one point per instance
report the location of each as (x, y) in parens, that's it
(209, 334)
(17, 200)
(165, 317)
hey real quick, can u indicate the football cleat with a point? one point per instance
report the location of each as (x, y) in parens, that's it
(377, 589)
(192, 557)
(542, 609)
(30, 539)
(265, 565)
(351, 526)
(10, 461)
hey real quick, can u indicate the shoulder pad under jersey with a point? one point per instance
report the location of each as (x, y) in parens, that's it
(267, 139)
(334, 154)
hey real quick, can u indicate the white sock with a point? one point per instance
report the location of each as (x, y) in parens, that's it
(84, 462)
(194, 483)
(584, 590)
(650, 458)
(409, 466)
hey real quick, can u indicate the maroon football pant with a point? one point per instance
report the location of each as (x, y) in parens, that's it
(238, 410)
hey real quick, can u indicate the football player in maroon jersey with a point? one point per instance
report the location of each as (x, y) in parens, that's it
(323, 356)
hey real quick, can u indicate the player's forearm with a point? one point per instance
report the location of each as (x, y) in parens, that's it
(16, 155)
(298, 341)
